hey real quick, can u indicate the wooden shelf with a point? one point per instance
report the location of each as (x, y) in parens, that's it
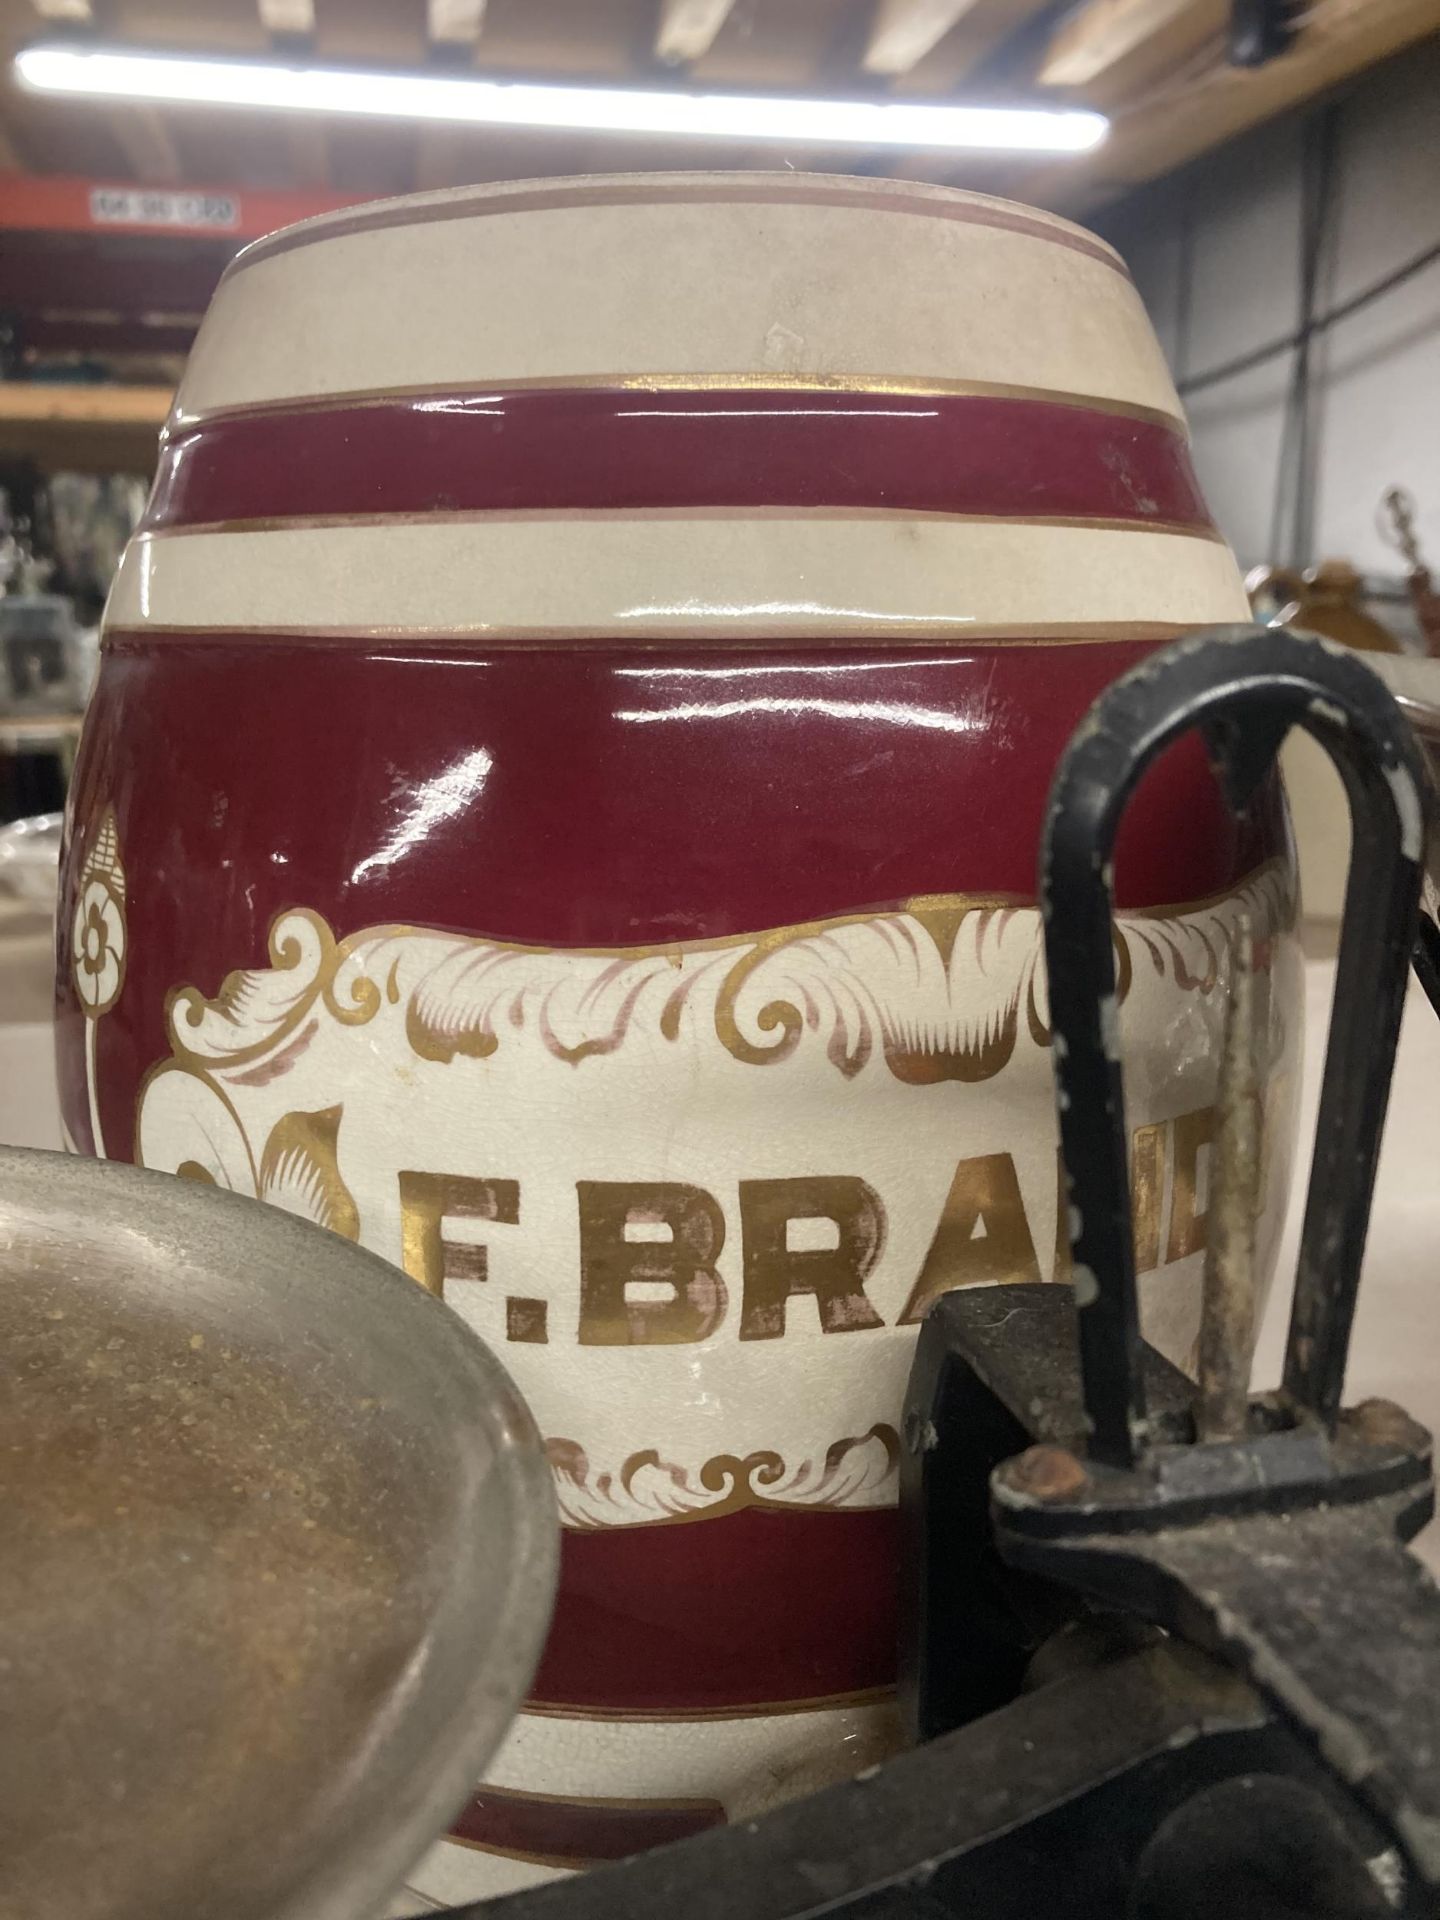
(94, 429)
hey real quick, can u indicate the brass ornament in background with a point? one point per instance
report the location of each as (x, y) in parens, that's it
(1326, 599)
(1399, 529)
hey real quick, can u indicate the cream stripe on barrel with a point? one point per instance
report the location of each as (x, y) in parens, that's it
(623, 575)
(749, 1763)
(754, 274)
(580, 1757)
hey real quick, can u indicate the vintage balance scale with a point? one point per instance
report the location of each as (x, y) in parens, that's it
(1165, 1649)
(532, 737)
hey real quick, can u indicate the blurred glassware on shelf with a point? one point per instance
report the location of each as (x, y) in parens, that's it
(91, 517)
(39, 655)
(84, 662)
(30, 858)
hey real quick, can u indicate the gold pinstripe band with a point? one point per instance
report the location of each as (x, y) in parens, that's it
(663, 1716)
(530, 516)
(894, 386)
(1032, 633)
(830, 190)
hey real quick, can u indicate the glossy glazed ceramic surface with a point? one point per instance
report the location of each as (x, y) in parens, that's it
(561, 807)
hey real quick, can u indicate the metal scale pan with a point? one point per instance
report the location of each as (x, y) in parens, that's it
(277, 1551)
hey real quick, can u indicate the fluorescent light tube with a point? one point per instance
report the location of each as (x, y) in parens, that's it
(117, 75)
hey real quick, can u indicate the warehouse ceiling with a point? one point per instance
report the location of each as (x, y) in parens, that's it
(116, 218)
(1158, 67)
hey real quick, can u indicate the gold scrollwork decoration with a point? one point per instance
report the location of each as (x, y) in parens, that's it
(937, 988)
(648, 1489)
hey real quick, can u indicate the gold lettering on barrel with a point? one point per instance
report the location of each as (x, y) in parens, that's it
(650, 1251)
(647, 1263)
(527, 1321)
(1193, 1133)
(983, 1234)
(843, 1220)
(426, 1200)
(1147, 1201)
(1147, 1193)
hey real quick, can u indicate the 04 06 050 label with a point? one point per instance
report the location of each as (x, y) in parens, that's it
(699, 1196)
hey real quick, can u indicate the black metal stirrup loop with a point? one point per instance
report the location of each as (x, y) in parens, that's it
(1244, 688)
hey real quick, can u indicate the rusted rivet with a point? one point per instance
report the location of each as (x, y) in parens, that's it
(1380, 1423)
(1045, 1473)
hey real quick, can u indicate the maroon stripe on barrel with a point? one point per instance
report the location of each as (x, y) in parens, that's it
(596, 449)
(577, 1833)
(654, 1620)
(790, 783)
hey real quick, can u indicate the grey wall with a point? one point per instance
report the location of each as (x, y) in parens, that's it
(1215, 251)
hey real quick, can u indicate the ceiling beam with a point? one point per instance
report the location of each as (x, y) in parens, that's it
(905, 30)
(1339, 39)
(146, 143)
(288, 19)
(687, 29)
(453, 26)
(979, 31)
(1103, 35)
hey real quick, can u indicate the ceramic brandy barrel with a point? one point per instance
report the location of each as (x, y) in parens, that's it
(561, 807)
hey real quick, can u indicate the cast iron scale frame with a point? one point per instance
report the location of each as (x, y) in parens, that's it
(1190, 1668)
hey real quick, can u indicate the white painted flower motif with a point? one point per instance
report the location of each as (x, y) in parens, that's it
(99, 947)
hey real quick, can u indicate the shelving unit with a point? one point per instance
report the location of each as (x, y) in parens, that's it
(93, 428)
